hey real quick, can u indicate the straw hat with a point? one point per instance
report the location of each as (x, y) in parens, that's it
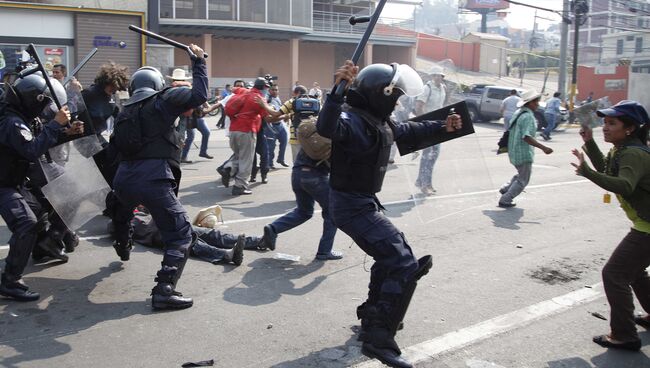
(178, 75)
(528, 96)
(208, 217)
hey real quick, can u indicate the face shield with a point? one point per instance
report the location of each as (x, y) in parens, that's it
(406, 80)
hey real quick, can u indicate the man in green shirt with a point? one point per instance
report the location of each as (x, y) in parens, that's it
(521, 147)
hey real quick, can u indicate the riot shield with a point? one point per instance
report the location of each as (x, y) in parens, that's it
(79, 192)
(585, 114)
(459, 178)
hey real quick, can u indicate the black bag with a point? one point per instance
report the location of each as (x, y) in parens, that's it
(503, 141)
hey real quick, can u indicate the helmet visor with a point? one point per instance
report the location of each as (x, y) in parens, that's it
(406, 80)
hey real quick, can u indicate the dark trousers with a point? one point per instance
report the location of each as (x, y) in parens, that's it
(625, 269)
(24, 217)
(309, 186)
(279, 133)
(373, 232)
(159, 198)
(261, 149)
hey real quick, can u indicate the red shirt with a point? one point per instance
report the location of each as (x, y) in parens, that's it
(249, 119)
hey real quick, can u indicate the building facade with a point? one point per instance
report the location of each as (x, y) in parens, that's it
(297, 40)
(66, 32)
(608, 17)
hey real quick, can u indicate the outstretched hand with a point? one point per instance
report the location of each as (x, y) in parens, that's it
(586, 133)
(581, 160)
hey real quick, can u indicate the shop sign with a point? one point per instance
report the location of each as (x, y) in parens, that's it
(107, 41)
(52, 51)
(615, 84)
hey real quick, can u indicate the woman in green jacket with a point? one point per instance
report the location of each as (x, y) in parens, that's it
(625, 171)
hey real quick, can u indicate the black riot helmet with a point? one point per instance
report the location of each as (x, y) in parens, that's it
(28, 95)
(145, 82)
(378, 86)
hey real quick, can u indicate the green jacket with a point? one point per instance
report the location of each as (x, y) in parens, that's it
(624, 171)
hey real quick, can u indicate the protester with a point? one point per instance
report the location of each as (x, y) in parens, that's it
(625, 171)
(521, 147)
(508, 108)
(551, 114)
(432, 98)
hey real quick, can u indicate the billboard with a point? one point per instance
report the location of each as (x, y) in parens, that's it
(483, 4)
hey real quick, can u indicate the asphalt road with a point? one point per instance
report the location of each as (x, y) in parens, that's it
(509, 287)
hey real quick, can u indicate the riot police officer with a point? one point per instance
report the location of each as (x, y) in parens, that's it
(361, 140)
(149, 172)
(23, 102)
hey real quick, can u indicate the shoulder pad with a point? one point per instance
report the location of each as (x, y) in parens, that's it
(176, 95)
(25, 132)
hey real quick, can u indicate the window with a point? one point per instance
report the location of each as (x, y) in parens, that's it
(166, 8)
(190, 9)
(301, 13)
(638, 46)
(252, 11)
(222, 9)
(497, 93)
(619, 47)
(279, 11)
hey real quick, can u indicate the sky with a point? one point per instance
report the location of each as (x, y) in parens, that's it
(518, 17)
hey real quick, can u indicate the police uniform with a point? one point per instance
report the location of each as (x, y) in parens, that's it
(18, 207)
(151, 176)
(361, 142)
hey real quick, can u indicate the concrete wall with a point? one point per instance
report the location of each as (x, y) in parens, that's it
(638, 88)
(464, 55)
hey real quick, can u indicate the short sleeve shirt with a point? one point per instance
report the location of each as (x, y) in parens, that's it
(509, 105)
(433, 97)
(519, 151)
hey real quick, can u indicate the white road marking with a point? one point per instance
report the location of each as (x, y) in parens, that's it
(432, 198)
(428, 350)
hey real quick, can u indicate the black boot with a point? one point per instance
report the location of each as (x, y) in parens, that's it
(123, 249)
(380, 342)
(48, 248)
(264, 173)
(17, 290)
(238, 250)
(20, 246)
(254, 174)
(164, 295)
(225, 175)
(70, 241)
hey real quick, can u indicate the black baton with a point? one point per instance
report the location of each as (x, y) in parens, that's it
(340, 88)
(76, 70)
(166, 40)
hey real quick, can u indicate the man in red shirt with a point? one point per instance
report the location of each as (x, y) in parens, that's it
(243, 130)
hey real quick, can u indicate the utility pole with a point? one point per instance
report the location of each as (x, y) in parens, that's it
(564, 43)
(580, 10)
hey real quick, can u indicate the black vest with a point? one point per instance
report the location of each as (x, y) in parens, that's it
(365, 172)
(160, 138)
(13, 167)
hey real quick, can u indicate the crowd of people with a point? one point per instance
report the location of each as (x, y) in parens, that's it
(154, 130)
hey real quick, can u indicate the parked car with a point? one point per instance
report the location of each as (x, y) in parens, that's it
(484, 103)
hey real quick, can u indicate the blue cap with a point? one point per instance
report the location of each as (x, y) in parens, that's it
(631, 109)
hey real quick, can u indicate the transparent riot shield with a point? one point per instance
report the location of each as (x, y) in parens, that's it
(585, 114)
(79, 193)
(446, 181)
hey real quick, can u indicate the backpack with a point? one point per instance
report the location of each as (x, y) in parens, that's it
(503, 141)
(127, 134)
(316, 146)
(235, 104)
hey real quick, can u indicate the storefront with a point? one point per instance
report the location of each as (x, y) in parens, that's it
(64, 35)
